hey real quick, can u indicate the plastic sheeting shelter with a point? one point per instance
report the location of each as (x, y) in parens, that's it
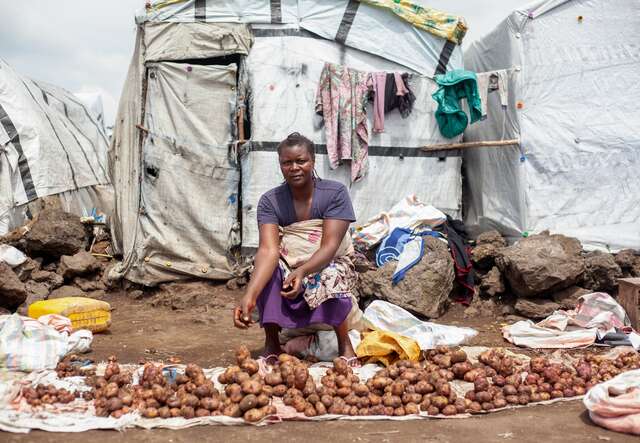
(572, 69)
(187, 187)
(49, 145)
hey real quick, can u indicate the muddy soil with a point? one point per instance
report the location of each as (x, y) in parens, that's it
(146, 330)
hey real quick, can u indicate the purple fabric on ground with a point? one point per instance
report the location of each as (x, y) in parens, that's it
(286, 313)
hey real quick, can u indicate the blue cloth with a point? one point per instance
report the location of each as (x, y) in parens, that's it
(392, 248)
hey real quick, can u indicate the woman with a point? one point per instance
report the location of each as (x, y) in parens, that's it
(303, 273)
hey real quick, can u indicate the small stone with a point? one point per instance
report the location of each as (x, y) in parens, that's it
(12, 291)
(136, 294)
(471, 312)
(79, 264)
(508, 310)
(514, 318)
(85, 284)
(25, 270)
(51, 279)
(492, 283)
(98, 294)
(51, 267)
(536, 308)
(67, 291)
(232, 285)
(491, 237)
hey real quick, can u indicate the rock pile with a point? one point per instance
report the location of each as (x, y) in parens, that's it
(58, 264)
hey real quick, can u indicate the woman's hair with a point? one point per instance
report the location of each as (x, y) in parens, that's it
(297, 139)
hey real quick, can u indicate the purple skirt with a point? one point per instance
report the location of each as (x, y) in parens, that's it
(290, 314)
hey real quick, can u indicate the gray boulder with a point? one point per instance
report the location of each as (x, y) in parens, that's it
(425, 288)
(55, 233)
(12, 290)
(541, 264)
(536, 308)
(81, 263)
(601, 272)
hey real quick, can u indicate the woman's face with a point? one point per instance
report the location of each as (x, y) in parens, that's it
(296, 165)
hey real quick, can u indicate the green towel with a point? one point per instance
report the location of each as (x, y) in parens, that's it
(455, 85)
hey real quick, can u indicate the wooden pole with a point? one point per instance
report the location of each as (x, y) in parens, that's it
(464, 145)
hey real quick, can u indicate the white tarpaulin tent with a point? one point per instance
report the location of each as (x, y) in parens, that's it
(49, 145)
(572, 70)
(187, 190)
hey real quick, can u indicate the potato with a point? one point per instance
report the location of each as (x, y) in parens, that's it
(360, 389)
(424, 405)
(232, 410)
(352, 399)
(150, 413)
(326, 400)
(443, 389)
(248, 402)
(309, 388)
(310, 411)
(499, 402)
(188, 400)
(343, 392)
(273, 378)
(251, 387)
(432, 410)
(487, 406)
(483, 397)
(439, 401)
(254, 415)
(399, 411)
(381, 382)
(397, 388)
(242, 353)
(449, 410)
(475, 407)
(471, 395)
(392, 401)
(113, 404)
(411, 375)
(523, 399)
(411, 408)
(301, 374)
(461, 405)
(341, 366)
(299, 404)
(152, 403)
(210, 404)
(411, 398)
(279, 390)
(458, 356)
(239, 377)
(320, 408)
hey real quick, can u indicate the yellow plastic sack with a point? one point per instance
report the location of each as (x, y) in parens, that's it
(84, 312)
(387, 347)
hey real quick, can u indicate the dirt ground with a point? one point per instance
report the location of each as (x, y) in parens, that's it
(152, 331)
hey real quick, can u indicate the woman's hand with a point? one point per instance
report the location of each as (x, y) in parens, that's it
(292, 285)
(242, 313)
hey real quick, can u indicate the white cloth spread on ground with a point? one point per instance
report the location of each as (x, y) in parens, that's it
(381, 315)
(619, 412)
(570, 329)
(28, 345)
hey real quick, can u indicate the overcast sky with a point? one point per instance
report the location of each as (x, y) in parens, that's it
(86, 45)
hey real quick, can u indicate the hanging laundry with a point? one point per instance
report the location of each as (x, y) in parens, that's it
(456, 85)
(341, 100)
(489, 82)
(390, 91)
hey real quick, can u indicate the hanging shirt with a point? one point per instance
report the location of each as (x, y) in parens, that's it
(456, 85)
(341, 100)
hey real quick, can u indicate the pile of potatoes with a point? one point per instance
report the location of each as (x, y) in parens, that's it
(66, 368)
(596, 368)
(48, 394)
(112, 392)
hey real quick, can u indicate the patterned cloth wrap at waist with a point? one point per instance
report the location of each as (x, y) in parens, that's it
(298, 242)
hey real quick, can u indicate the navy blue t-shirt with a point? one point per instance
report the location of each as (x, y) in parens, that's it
(330, 201)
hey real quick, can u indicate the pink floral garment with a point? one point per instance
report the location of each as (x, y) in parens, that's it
(341, 100)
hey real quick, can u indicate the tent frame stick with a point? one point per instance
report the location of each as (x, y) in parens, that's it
(464, 145)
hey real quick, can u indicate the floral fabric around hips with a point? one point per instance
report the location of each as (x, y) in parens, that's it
(298, 243)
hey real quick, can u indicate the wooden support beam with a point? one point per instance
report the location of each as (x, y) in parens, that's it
(465, 145)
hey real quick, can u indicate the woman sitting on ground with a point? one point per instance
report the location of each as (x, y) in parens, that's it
(303, 273)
